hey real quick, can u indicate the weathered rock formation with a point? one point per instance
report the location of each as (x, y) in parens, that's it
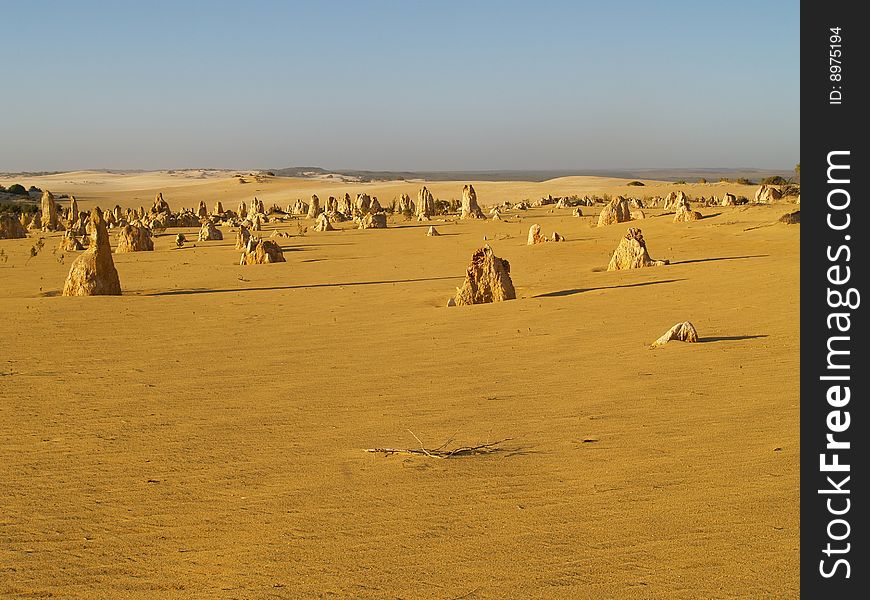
(373, 221)
(685, 213)
(73, 214)
(617, 210)
(218, 208)
(314, 207)
(322, 223)
(363, 204)
(242, 237)
(791, 218)
(134, 238)
(11, 228)
(432, 232)
(674, 199)
(209, 232)
(405, 206)
(632, 253)
(345, 205)
(260, 252)
(425, 204)
(767, 194)
(93, 273)
(729, 200)
(180, 240)
(535, 236)
(243, 210)
(683, 332)
(69, 242)
(48, 208)
(577, 212)
(557, 237)
(470, 208)
(487, 279)
(299, 208)
(202, 211)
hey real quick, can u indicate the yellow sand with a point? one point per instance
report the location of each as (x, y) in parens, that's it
(203, 435)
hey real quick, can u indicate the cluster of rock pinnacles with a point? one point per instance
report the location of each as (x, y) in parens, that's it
(487, 278)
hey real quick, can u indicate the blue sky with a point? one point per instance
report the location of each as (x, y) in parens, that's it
(399, 85)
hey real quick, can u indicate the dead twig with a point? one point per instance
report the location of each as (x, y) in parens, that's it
(442, 451)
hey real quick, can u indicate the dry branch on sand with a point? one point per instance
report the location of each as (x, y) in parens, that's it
(442, 451)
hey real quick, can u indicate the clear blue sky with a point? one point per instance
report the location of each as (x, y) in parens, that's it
(399, 85)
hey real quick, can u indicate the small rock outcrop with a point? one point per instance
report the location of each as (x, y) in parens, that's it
(674, 199)
(202, 211)
(683, 332)
(405, 206)
(792, 218)
(363, 204)
(425, 204)
(314, 207)
(767, 194)
(617, 210)
(470, 208)
(632, 253)
(373, 221)
(11, 228)
(242, 237)
(432, 232)
(69, 242)
(93, 273)
(209, 232)
(535, 236)
(48, 208)
(134, 238)
(685, 213)
(322, 223)
(261, 252)
(487, 279)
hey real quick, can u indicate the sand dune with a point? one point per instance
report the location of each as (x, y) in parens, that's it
(203, 435)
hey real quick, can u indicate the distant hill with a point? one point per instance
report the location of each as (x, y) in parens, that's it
(689, 175)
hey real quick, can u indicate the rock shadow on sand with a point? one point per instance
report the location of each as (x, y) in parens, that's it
(703, 260)
(292, 287)
(574, 291)
(729, 338)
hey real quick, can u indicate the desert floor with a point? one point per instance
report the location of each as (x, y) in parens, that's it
(203, 435)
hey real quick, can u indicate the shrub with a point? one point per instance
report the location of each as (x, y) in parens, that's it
(17, 188)
(775, 180)
(702, 180)
(34, 190)
(791, 190)
(635, 183)
(18, 208)
(744, 181)
(680, 182)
